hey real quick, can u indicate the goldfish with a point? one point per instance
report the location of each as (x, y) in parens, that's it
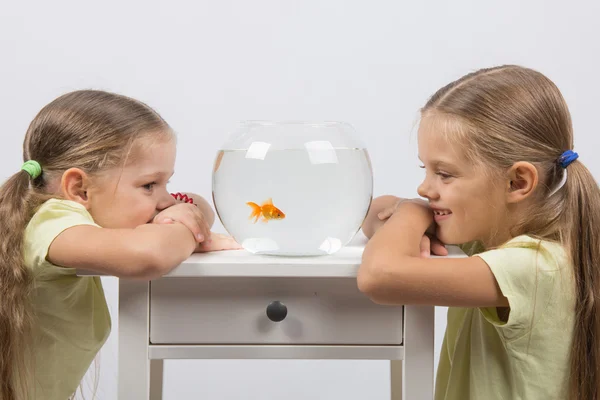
(268, 211)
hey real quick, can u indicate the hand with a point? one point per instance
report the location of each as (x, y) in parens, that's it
(200, 202)
(187, 214)
(218, 242)
(385, 214)
(430, 244)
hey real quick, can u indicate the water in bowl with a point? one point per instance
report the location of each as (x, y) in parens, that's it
(323, 194)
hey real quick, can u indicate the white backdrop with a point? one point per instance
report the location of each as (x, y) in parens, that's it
(205, 65)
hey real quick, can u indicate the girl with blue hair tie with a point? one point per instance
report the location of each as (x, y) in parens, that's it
(503, 182)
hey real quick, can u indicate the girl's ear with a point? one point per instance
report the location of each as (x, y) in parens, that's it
(74, 186)
(523, 179)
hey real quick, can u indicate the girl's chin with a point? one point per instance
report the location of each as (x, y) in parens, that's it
(447, 238)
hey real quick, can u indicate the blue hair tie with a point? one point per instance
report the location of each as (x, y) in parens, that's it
(567, 158)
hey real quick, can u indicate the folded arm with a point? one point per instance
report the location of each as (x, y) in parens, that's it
(146, 252)
(392, 271)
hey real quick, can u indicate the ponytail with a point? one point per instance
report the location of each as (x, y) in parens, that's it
(15, 287)
(581, 236)
(509, 114)
(89, 129)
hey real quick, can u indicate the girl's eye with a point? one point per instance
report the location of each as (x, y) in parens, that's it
(441, 174)
(149, 186)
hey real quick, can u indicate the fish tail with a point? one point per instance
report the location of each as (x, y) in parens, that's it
(255, 211)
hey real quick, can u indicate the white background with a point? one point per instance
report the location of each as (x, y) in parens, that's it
(205, 65)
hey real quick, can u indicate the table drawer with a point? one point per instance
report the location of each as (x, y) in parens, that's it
(268, 311)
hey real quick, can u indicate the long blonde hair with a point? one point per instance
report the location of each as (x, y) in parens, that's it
(91, 130)
(512, 114)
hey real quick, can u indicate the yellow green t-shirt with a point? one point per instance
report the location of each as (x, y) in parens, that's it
(72, 319)
(526, 357)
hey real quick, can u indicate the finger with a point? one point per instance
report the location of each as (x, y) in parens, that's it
(225, 242)
(425, 246)
(204, 230)
(194, 221)
(385, 214)
(190, 222)
(219, 242)
(438, 248)
(160, 219)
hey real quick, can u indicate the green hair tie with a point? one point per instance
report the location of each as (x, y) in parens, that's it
(33, 168)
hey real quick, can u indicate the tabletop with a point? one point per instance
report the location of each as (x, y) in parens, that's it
(241, 263)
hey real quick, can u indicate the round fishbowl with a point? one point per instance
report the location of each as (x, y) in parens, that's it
(292, 188)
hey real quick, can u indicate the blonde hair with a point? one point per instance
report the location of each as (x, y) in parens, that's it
(510, 114)
(90, 130)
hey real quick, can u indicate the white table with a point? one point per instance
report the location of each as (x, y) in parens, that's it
(236, 305)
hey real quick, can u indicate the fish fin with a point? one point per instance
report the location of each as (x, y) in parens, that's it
(269, 201)
(255, 211)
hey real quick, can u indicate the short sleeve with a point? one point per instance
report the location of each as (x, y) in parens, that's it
(52, 218)
(471, 248)
(528, 274)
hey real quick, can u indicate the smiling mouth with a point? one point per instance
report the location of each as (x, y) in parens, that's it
(442, 212)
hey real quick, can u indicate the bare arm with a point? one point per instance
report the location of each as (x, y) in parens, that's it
(380, 211)
(393, 273)
(146, 252)
(216, 241)
(372, 222)
(205, 208)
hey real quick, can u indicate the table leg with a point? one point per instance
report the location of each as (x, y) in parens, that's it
(419, 322)
(156, 379)
(396, 379)
(134, 365)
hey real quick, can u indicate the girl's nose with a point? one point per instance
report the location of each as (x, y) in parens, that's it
(165, 201)
(426, 190)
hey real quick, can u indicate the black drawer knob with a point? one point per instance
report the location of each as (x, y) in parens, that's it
(276, 311)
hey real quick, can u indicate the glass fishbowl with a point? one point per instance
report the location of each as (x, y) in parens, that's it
(292, 188)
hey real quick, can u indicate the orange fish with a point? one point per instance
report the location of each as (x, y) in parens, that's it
(268, 211)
